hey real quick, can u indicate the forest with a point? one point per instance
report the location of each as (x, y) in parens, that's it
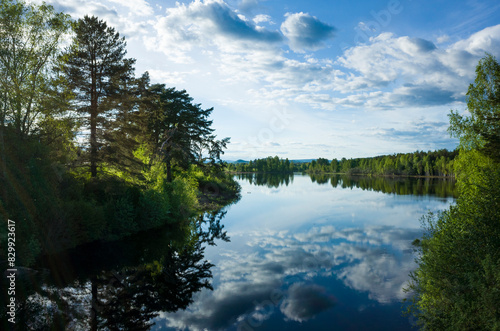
(432, 163)
(88, 150)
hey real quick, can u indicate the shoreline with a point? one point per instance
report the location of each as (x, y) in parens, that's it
(342, 174)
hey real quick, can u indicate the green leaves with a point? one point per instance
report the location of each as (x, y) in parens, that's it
(102, 81)
(456, 283)
(180, 132)
(29, 45)
(481, 130)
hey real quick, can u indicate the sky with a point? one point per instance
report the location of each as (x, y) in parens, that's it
(308, 79)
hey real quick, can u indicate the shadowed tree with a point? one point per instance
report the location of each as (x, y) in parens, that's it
(132, 297)
(124, 284)
(29, 45)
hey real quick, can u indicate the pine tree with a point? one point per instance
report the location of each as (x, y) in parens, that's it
(180, 131)
(99, 75)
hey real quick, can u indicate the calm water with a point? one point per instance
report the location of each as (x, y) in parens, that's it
(299, 253)
(314, 254)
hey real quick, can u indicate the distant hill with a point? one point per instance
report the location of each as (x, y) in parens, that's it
(302, 160)
(294, 161)
(238, 161)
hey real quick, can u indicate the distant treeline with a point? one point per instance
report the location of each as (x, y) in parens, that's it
(397, 185)
(419, 163)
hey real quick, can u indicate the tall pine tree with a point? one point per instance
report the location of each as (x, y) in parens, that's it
(101, 78)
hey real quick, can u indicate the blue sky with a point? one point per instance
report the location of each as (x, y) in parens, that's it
(307, 79)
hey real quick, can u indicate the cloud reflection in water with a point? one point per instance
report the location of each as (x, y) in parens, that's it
(296, 276)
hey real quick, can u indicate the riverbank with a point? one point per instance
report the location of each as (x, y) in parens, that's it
(57, 211)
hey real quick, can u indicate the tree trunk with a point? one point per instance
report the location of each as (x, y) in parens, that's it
(93, 122)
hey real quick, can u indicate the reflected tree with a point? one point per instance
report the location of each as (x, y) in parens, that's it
(399, 185)
(122, 285)
(319, 178)
(271, 180)
(130, 298)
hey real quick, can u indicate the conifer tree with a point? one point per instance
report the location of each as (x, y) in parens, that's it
(99, 75)
(180, 131)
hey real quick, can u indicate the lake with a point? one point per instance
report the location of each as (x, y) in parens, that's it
(296, 252)
(314, 253)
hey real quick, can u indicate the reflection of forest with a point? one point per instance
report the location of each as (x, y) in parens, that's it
(271, 180)
(397, 185)
(121, 285)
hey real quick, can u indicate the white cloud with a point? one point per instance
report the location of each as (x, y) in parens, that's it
(202, 25)
(262, 19)
(171, 77)
(442, 39)
(366, 27)
(412, 71)
(306, 32)
(235, 55)
(121, 18)
(388, 72)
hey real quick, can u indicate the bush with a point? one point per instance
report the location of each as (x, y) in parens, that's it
(154, 209)
(182, 194)
(457, 283)
(121, 217)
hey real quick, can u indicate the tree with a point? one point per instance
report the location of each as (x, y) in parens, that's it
(481, 130)
(135, 295)
(456, 285)
(125, 127)
(99, 75)
(32, 109)
(180, 130)
(29, 44)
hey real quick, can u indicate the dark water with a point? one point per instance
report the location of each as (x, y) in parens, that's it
(300, 253)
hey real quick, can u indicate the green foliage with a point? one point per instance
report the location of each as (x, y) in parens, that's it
(431, 163)
(271, 180)
(122, 218)
(85, 221)
(456, 285)
(48, 185)
(29, 45)
(216, 189)
(101, 79)
(269, 164)
(179, 131)
(182, 193)
(154, 209)
(481, 130)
